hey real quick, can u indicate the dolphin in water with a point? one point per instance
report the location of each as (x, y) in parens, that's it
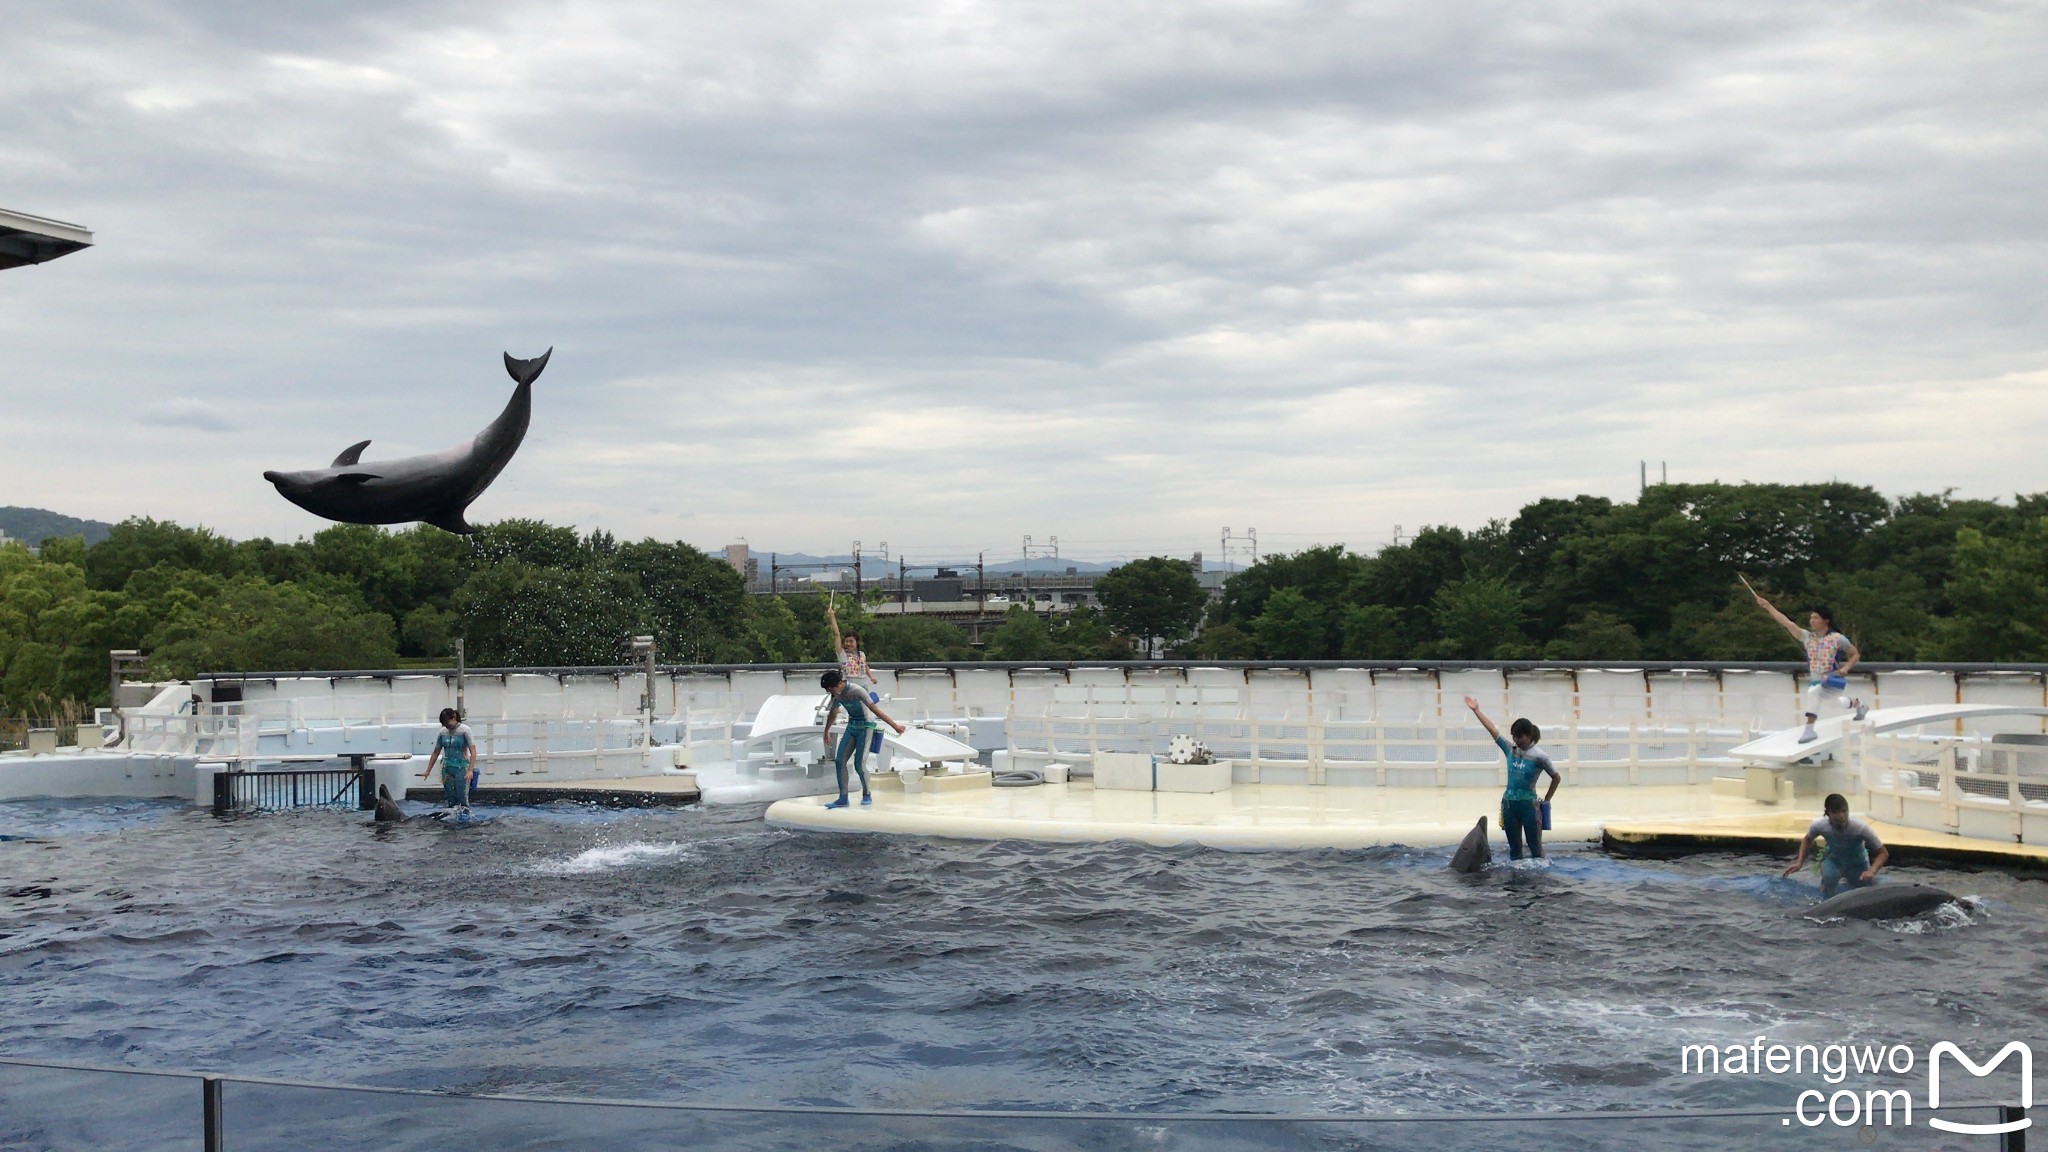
(388, 811)
(1474, 853)
(434, 489)
(1881, 902)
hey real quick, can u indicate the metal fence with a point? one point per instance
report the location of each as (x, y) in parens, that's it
(47, 1105)
(282, 789)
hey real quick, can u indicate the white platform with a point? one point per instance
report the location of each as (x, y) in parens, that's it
(1783, 747)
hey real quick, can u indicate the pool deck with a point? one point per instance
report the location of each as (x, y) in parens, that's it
(1257, 817)
(1779, 831)
(1644, 820)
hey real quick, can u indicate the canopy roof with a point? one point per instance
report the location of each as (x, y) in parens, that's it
(26, 239)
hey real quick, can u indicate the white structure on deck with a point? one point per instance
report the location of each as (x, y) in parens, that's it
(1311, 725)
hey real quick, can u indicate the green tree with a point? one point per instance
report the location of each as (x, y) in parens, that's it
(140, 543)
(530, 542)
(1596, 635)
(695, 602)
(1371, 632)
(773, 634)
(2000, 592)
(1152, 600)
(54, 635)
(1479, 617)
(1736, 629)
(1292, 627)
(1224, 642)
(904, 638)
(255, 626)
(1021, 636)
(516, 614)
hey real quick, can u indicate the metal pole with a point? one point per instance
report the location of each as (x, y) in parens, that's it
(903, 583)
(2016, 1140)
(210, 1110)
(461, 678)
(856, 571)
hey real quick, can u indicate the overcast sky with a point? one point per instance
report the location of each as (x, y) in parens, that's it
(944, 274)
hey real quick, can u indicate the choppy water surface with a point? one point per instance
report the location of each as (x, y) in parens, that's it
(701, 955)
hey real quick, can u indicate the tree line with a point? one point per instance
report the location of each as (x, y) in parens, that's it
(1924, 577)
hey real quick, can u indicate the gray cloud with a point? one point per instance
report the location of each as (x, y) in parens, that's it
(1118, 273)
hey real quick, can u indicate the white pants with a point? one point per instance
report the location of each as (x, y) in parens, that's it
(1817, 692)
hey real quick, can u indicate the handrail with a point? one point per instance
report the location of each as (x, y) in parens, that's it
(956, 1114)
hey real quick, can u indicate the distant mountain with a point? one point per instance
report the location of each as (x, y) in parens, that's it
(34, 525)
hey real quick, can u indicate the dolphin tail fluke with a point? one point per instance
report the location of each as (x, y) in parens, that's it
(527, 371)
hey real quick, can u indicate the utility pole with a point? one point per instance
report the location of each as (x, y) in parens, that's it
(1250, 542)
(903, 584)
(856, 571)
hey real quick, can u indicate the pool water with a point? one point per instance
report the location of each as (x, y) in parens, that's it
(700, 955)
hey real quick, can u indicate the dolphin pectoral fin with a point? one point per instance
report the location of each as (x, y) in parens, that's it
(449, 521)
(350, 454)
(358, 478)
(527, 371)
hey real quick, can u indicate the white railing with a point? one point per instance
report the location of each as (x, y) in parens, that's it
(218, 730)
(554, 747)
(1315, 750)
(1988, 791)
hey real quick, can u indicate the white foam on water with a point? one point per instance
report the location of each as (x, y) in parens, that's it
(1961, 912)
(610, 857)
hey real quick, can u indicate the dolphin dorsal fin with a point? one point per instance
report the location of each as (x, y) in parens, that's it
(527, 371)
(350, 455)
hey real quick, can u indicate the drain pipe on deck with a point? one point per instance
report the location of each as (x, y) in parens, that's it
(118, 661)
(643, 647)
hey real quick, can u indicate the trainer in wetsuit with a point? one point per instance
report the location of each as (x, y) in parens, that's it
(1854, 852)
(1518, 814)
(854, 741)
(455, 748)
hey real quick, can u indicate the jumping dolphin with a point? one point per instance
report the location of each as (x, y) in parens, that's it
(388, 811)
(1881, 902)
(1473, 853)
(434, 489)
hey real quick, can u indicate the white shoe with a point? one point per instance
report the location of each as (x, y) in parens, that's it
(1808, 736)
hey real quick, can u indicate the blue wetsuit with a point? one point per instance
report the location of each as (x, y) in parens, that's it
(1518, 815)
(456, 779)
(1850, 849)
(853, 742)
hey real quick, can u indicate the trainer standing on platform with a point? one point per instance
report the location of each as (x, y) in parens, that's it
(1829, 658)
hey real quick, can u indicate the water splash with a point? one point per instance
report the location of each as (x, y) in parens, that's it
(611, 857)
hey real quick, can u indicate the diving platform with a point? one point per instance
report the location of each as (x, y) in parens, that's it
(1783, 748)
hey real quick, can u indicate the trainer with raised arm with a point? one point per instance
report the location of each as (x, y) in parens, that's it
(1829, 658)
(1518, 815)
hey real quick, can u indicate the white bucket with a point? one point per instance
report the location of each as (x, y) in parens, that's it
(913, 779)
(1055, 773)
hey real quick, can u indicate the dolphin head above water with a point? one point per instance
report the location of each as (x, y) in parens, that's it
(434, 489)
